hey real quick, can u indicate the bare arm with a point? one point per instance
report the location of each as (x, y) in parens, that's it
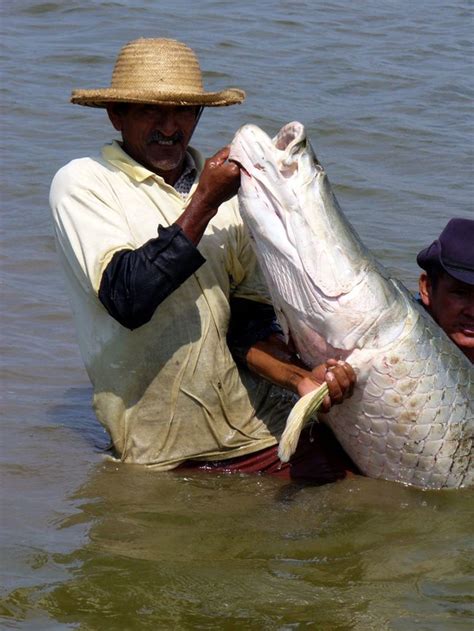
(273, 360)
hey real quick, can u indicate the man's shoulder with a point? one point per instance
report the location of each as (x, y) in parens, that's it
(79, 166)
(81, 173)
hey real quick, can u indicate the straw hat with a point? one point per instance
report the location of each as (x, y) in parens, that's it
(156, 71)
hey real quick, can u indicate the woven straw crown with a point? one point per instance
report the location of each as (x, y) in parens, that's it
(156, 71)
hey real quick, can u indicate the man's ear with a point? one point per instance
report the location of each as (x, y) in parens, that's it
(424, 286)
(114, 116)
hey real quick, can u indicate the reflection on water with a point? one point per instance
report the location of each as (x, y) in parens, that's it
(169, 551)
(384, 89)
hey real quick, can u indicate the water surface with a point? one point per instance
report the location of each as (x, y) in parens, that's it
(385, 90)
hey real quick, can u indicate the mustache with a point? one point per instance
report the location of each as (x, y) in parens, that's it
(157, 136)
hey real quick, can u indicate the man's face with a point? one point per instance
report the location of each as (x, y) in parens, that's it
(156, 136)
(451, 303)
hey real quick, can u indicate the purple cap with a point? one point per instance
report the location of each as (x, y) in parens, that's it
(453, 251)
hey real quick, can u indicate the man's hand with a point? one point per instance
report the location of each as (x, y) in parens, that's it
(339, 376)
(218, 182)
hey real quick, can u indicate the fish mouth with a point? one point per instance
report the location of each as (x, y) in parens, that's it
(286, 147)
(289, 136)
(254, 149)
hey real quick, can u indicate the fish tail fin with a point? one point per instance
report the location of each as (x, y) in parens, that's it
(303, 410)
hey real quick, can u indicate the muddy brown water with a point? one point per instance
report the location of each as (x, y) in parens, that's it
(385, 91)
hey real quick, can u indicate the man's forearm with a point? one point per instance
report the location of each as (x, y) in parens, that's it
(273, 360)
(195, 217)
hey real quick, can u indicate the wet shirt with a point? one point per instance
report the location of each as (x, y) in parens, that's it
(169, 390)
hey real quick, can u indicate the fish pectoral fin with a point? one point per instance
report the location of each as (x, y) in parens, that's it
(303, 410)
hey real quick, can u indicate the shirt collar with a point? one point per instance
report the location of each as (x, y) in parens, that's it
(189, 167)
(186, 180)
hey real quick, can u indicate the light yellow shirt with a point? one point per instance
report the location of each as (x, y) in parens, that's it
(170, 390)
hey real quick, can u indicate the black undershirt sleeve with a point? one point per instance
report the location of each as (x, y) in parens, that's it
(135, 282)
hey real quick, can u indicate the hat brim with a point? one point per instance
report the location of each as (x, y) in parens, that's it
(459, 273)
(431, 258)
(103, 96)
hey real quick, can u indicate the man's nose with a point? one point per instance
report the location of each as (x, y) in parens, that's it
(167, 122)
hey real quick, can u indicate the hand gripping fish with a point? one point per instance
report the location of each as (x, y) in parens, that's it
(411, 417)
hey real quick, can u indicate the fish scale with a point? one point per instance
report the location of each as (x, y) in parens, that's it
(411, 417)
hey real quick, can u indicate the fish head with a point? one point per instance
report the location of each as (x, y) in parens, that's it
(288, 154)
(270, 171)
(320, 275)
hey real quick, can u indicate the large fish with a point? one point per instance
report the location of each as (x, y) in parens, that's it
(411, 416)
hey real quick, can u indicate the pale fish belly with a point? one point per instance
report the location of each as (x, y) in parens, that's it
(411, 419)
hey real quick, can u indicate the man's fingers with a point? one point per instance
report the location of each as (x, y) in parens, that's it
(220, 157)
(326, 404)
(349, 378)
(335, 390)
(219, 162)
(348, 369)
(340, 378)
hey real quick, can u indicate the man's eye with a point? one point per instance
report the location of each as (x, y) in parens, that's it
(187, 110)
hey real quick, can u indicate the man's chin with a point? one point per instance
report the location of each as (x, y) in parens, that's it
(173, 160)
(166, 167)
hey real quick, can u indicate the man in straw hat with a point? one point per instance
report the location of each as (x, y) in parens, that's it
(162, 279)
(447, 282)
